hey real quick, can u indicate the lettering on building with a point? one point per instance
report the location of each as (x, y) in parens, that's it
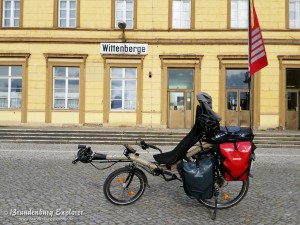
(124, 48)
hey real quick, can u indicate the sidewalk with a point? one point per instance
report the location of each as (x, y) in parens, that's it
(42, 178)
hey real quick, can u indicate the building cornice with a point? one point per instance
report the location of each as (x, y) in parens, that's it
(148, 41)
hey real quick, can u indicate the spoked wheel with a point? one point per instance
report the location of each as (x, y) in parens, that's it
(230, 194)
(124, 186)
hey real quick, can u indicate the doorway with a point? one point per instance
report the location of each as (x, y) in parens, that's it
(180, 98)
(292, 113)
(237, 110)
(293, 99)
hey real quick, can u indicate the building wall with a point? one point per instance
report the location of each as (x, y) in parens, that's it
(210, 37)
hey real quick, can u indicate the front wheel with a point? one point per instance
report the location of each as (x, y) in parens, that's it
(230, 194)
(124, 186)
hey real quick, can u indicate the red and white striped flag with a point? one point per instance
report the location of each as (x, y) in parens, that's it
(258, 56)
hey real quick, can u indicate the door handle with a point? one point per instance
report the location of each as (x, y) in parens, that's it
(296, 109)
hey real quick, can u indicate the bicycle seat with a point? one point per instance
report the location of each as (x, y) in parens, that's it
(180, 150)
(206, 121)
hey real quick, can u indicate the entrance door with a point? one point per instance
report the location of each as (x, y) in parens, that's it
(180, 98)
(180, 109)
(238, 108)
(292, 119)
(292, 112)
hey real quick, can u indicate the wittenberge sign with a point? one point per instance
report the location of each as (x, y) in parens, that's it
(124, 48)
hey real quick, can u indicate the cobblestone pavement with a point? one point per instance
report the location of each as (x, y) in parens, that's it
(40, 179)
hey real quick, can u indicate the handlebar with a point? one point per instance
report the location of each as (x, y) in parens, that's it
(145, 146)
(86, 155)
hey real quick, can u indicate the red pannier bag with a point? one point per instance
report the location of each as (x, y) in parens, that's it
(236, 160)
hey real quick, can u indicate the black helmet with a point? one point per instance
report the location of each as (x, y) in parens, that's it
(209, 125)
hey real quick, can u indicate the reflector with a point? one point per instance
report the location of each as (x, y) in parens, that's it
(120, 180)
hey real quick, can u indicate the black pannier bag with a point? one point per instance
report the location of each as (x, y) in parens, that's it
(198, 178)
(231, 134)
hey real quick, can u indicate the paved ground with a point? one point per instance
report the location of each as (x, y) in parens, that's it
(40, 179)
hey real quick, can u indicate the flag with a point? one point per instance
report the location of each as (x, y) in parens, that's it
(257, 52)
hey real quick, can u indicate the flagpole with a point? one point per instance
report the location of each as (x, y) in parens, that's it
(257, 56)
(249, 62)
(249, 25)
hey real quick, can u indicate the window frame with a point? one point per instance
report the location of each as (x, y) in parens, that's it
(61, 60)
(114, 24)
(192, 16)
(9, 78)
(20, 16)
(181, 12)
(285, 62)
(237, 62)
(178, 62)
(16, 59)
(66, 78)
(56, 15)
(136, 61)
(288, 19)
(230, 16)
(123, 79)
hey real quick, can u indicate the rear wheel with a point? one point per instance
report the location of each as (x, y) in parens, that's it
(230, 194)
(124, 186)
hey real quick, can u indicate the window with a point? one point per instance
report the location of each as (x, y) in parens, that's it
(10, 86)
(67, 13)
(11, 13)
(181, 14)
(180, 78)
(123, 89)
(66, 87)
(294, 14)
(236, 78)
(239, 14)
(124, 12)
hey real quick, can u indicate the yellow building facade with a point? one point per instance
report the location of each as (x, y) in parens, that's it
(68, 62)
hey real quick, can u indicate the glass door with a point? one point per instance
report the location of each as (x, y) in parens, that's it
(176, 110)
(180, 98)
(292, 113)
(238, 108)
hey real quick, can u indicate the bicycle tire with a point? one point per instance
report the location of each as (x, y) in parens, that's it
(117, 190)
(225, 194)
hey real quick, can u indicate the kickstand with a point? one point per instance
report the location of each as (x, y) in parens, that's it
(214, 215)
